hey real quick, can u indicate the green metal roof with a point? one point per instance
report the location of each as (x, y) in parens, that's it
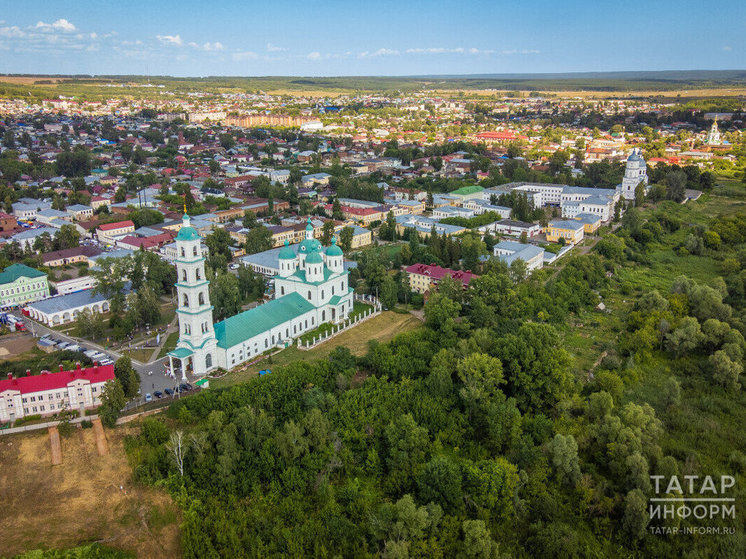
(301, 275)
(181, 353)
(314, 258)
(467, 190)
(237, 329)
(188, 233)
(335, 300)
(307, 245)
(286, 253)
(334, 250)
(15, 271)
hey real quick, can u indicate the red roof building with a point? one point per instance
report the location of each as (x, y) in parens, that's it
(117, 225)
(424, 277)
(48, 393)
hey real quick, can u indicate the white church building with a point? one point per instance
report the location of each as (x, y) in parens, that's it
(635, 172)
(311, 288)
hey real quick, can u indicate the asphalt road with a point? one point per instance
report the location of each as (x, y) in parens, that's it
(152, 375)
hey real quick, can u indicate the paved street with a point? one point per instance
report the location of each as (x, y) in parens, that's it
(152, 375)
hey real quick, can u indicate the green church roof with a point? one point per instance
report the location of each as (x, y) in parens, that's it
(286, 253)
(308, 245)
(15, 271)
(187, 232)
(314, 258)
(334, 250)
(244, 326)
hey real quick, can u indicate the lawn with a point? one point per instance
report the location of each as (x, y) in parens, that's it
(170, 344)
(141, 355)
(382, 328)
(358, 309)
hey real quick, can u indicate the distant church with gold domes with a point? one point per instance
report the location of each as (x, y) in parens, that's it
(311, 288)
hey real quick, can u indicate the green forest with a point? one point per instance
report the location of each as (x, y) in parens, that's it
(522, 419)
(98, 87)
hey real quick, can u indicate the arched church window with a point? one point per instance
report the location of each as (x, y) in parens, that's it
(309, 295)
(208, 361)
(201, 298)
(186, 300)
(199, 275)
(182, 251)
(194, 250)
(184, 275)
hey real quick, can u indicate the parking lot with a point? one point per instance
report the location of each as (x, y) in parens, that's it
(153, 378)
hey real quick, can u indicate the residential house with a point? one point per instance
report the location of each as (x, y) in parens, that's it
(571, 231)
(109, 232)
(424, 278)
(509, 251)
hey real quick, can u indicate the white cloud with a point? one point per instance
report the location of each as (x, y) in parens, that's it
(275, 48)
(244, 55)
(379, 52)
(170, 40)
(521, 51)
(726, 48)
(481, 51)
(314, 56)
(211, 47)
(59, 25)
(435, 50)
(12, 32)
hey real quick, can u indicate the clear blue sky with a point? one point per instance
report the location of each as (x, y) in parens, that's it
(334, 38)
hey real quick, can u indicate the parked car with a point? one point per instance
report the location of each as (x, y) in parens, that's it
(158, 394)
(73, 347)
(148, 397)
(188, 386)
(63, 345)
(106, 361)
(169, 392)
(184, 388)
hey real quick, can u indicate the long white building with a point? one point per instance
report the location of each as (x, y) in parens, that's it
(48, 393)
(311, 288)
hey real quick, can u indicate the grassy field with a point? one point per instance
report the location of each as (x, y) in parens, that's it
(382, 328)
(707, 426)
(141, 355)
(46, 507)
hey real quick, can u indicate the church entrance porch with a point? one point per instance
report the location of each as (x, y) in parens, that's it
(183, 357)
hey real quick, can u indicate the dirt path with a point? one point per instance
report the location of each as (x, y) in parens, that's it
(101, 444)
(56, 447)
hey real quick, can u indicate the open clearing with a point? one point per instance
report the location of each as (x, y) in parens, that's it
(30, 80)
(682, 94)
(46, 507)
(16, 345)
(381, 328)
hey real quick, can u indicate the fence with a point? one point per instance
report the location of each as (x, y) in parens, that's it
(348, 323)
(47, 425)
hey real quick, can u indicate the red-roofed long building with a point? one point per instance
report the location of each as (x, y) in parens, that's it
(48, 393)
(108, 232)
(424, 278)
